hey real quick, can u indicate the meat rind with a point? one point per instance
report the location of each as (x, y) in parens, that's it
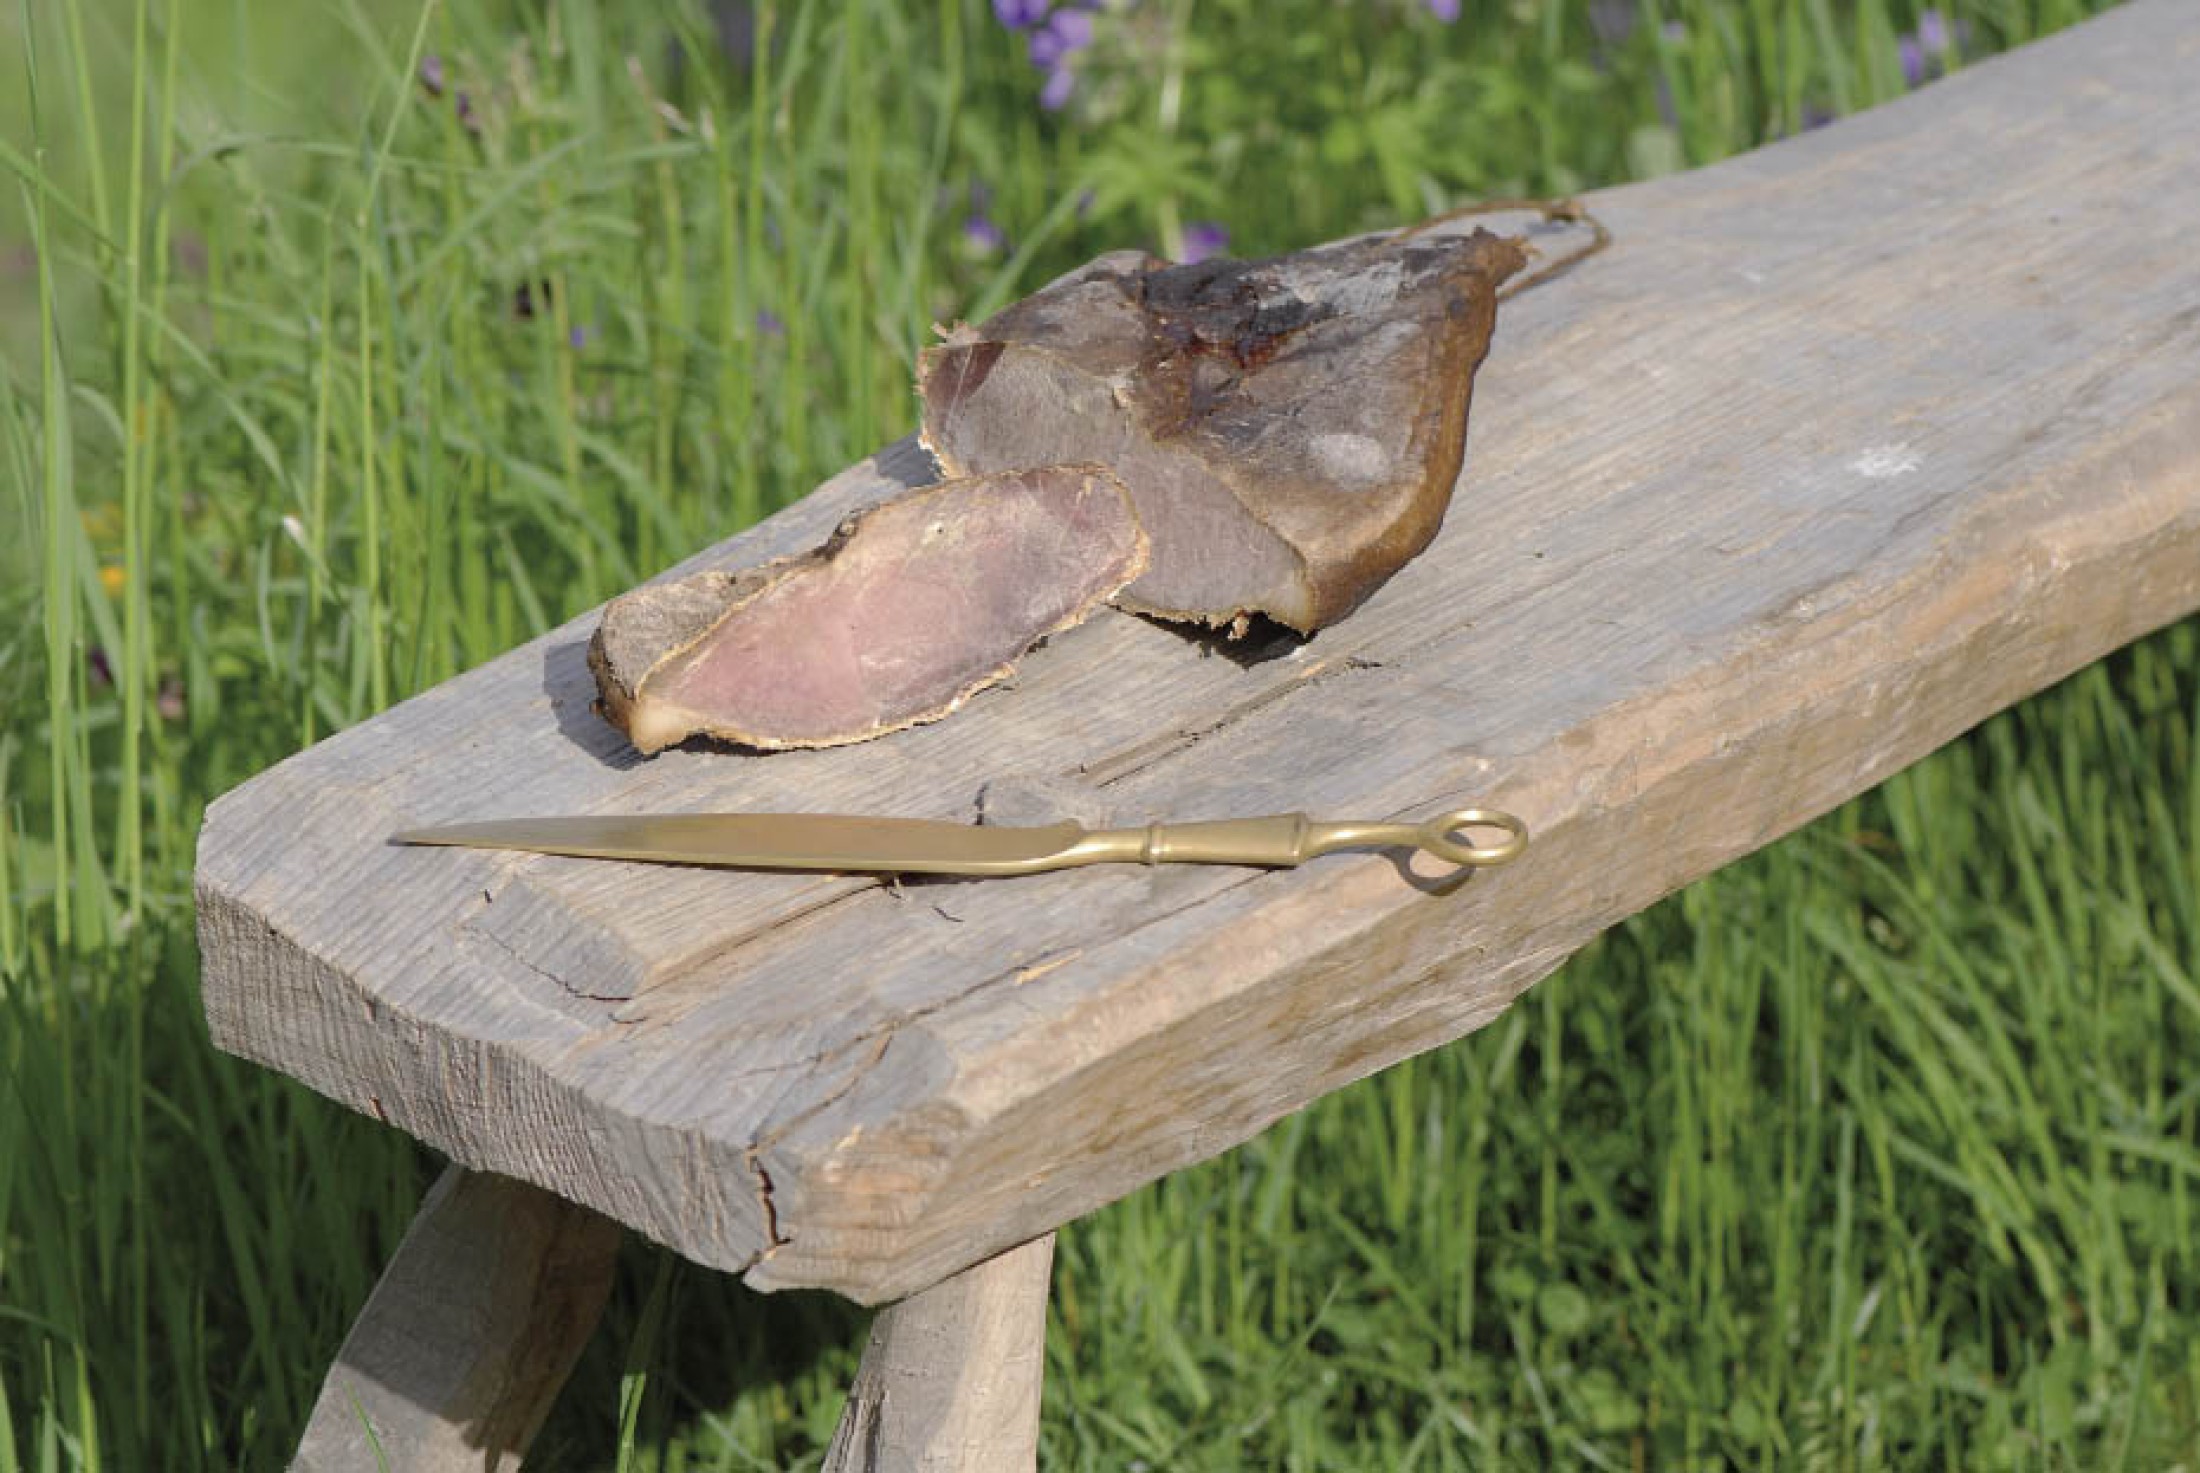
(907, 610)
(1290, 428)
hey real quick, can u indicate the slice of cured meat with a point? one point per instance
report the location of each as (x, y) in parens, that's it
(1290, 428)
(908, 609)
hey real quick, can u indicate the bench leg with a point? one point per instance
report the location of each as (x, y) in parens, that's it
(469, 1334)
(950, 1377)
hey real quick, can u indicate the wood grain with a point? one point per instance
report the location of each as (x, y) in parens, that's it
(466, 1339)
(951, 1376)
(1843, 446)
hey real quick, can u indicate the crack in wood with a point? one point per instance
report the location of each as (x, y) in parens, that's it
(774, 1239)
(779, 1130)
(558, 981)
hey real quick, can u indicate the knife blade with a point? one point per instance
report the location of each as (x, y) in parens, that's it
(800, 841)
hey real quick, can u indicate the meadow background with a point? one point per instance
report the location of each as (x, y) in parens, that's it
(345, 344)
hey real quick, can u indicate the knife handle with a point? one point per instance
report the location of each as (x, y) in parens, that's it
(1285, 840)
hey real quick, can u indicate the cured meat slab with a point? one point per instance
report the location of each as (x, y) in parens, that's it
(1290, 428)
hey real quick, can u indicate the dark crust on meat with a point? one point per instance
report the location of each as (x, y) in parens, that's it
(641, 630)
(1193, 356)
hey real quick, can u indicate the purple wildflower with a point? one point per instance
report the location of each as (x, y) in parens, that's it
(466, 118)
(769, 324)
(1924, 53)
(1932, 32)
(1204, 239)
(1052, 44)
(1913, 60)
(1446, 11)
(1019, 15)
(1073, 26)
(981, 237)
(1674, 31)
(431, 74)
(577, 339)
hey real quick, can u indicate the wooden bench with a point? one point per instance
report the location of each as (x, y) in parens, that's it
(1843, 446)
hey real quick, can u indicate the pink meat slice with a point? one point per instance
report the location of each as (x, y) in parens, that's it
(909, 609)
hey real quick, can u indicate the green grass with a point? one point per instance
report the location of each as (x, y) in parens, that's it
(1877, 1150)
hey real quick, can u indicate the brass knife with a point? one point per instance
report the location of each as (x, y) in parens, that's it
(816, 841)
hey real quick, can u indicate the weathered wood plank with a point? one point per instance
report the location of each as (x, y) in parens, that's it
(465, 1341)
(951, 1376)
(1844, 445)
